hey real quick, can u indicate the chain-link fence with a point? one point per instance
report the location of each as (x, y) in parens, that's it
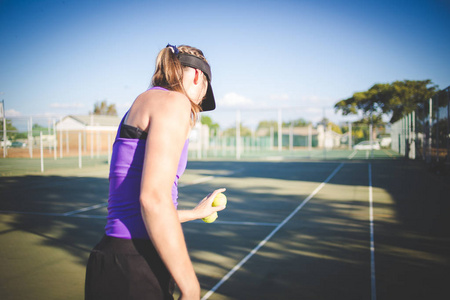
(27, 136)
(56, 138)
(294, 131)
(301, 132)
(425, 133)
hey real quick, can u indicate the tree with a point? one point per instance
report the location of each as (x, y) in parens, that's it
(297, 123)
(396, 99)
(334, 127)
(11, 131)
(209, 122)
(36, 129)
(102, 108)
(244, 131)
(267, 124)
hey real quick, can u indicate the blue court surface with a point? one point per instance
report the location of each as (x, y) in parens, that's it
(343, 227)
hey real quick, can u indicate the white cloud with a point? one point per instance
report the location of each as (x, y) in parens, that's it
(12, 113)
(235, 100)
(67, 105)
(280, 97)
(314, 100)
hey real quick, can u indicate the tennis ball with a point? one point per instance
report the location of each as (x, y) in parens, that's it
(219, 200)
(211, 218)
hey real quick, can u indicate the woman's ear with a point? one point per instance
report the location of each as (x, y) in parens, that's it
(197, 76)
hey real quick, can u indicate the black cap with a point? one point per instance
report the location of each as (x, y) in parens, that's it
(195, 62)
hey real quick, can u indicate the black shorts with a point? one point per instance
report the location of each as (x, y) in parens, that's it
(127, 269)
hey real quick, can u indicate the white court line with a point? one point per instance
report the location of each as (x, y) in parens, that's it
(85, 209)
(239, 223)
(352, 155)
(263, 242)
(197, 181)
(208, 178)
(81, 216)
(200, 180)
(74, 212)
(30, 213)
(372, 241)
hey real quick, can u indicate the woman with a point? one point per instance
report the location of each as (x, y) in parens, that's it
(144, 247)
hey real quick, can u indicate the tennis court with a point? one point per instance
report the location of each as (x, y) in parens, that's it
(345, 226)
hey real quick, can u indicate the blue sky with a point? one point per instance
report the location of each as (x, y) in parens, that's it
(60, 57)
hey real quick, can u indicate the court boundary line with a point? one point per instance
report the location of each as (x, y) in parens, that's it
(239, 223)
(352, 154)
(372, 240)
(268, 237)
(73, 212)
(81, 216)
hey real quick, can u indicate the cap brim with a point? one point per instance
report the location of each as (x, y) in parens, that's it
(209, 103)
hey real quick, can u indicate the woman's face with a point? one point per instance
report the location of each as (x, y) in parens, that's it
(195, 84)
(204, 89)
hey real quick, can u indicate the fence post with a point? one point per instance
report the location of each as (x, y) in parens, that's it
(272, 138)
(30, 137)
(4, 128)
(280, 133)
(60, 139)
(238, 134)
(67, 142)
(109, 148)
(55, 140)
(60, 143)
(350, 142)
(92, 143)
(291, 137)
(79, 150)
(430, 123)
(309, 139)
(41, 146)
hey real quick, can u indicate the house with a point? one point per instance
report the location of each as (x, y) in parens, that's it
(97, 132)
(89, 123)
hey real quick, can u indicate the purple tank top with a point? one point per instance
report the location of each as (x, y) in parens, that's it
(124, 209)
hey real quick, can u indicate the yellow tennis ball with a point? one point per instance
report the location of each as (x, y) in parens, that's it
(211, 218)
(220, 200)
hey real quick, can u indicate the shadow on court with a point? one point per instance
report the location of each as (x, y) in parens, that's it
(43, 253)
(413, 244)
(322, 252)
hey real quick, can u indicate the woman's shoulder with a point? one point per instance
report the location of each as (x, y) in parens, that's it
(167, 102)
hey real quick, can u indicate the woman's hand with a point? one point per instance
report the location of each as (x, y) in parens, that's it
(204, 208)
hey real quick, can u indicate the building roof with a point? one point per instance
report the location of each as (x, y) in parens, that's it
(96, 120)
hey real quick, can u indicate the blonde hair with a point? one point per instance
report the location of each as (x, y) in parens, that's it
(169, 73)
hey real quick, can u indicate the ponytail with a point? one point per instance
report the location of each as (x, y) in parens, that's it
(169, 74)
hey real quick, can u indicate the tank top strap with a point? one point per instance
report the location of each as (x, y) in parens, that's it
(120, 125)
(157, 88)
(123, 119)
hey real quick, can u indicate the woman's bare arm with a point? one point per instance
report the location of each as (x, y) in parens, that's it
(169, 124)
